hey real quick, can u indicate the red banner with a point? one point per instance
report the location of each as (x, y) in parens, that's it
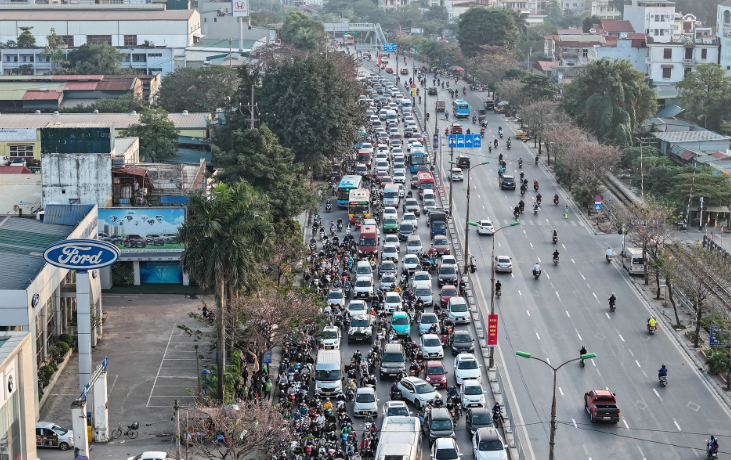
(491, 330)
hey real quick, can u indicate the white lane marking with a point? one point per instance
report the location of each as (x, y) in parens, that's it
(548, 361)
(531, 245)
(597, 298)
(575, 425)
(579, 337)
(483, 206)
(607, 315)
(625, 423)
(559, 389)
(567, 314)
(676, 424)
(527, 311)
(638, 363)
(557, 295)
(549, 276)
(512, 275)
(562, 245)
(478, 195)
(620, 336)
(592, 361)
(572, 261)
(539, 261)
(630, 352)
(643, 372)
(519, 292)
(539, 338)
(498, 243)
(657, 394)
(579, 272)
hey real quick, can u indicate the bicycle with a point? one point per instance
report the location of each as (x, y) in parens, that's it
(130, 431)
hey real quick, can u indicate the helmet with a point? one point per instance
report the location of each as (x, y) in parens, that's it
(663, 366)
(438, 396)
(327, 399)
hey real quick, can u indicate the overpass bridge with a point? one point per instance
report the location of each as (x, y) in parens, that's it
(364, 33)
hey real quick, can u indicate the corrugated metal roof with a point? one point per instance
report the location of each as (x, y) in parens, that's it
(195, 120)
(49, 78)
(42, 96)
(75, 77)
(689, 136)
(15, 170)
(80, 85)
(617, 26)
(23, 190)
(97, 14)
(117, 83)
(66, 214)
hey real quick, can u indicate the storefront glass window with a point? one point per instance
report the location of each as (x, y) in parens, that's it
(10, 442)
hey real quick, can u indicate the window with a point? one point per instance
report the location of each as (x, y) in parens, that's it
(155, 71)
(130, 40)
(687, 70)
(666, 73)
(21, 151)
(704, 54)
(154, 55)
(11, 58)
(139, 58)
(726, 17)
(99, 40)
(27, 58)
(585, 52)
(68, 39)
(689, 53)
(667, 53)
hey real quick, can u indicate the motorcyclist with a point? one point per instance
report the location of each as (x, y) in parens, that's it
(583, 351)
(612, 300)
(535, 184)
(332, 227)
(438, 401)
(468, 131)
(327, 405)
(651, 323)
(663, 372)
(415, 368)
(539, 198)
(452, 392)
(555, 198)
(351, 385)
(712, 445)
(496, 409)
(522, 175)
(609, 253)
(516, 211)
(520, 162)
(394, 390)
(474, 119)
(554, 236)
(521, 204)
(535, 206)
(500, 130)
(555, 254)
(498, 286)
(509, 142)
(536, 268)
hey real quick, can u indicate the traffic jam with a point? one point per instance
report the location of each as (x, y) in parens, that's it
(401, 345)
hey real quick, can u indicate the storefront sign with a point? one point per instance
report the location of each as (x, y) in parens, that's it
(240, 8)
(81, 254)
(15, 135)
(491, 330)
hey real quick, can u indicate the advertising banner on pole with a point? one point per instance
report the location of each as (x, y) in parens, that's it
(240, 8)
(491, 330)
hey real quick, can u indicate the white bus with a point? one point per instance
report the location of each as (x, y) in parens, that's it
(633, 261)
(400, 439)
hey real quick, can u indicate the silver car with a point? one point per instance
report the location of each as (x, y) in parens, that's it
(425, 322)
(413, 245)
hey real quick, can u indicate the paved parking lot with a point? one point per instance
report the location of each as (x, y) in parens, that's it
(151, 363)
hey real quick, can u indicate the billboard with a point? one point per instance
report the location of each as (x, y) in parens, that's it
(142, 229)
(240, 7)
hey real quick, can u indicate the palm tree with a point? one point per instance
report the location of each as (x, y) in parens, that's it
(226, 238)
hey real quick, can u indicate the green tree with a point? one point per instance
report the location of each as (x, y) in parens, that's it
(158, 136)
(96, 60)
(486, 26)
(609, 99)
(52, 50)
(26, 39)
(553, 11)
(226, 239)
(538, 87)
(588, 23)
(310, 104)
(265, 18)
(701, 88)
(714, 188)
(302, 32)
(259, 159)
(202, 89)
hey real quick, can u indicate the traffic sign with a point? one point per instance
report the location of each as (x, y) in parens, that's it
(468, 141)
(435, 143)
(597, 206)
(389, 47)
(476, 141)
(452, 140)
(598, 198)
(460, 141)
(267, 359)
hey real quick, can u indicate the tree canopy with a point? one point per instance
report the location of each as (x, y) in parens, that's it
(26, 38)
(700, 89)
(486, 26)
(96, 60)
(302, 32)
(609, 99)
(202, 89)
(158, 136)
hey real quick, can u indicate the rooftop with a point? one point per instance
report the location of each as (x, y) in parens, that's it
(617, 26)
(689, 136)
(195, 120)
(22, 190)
(36, 13)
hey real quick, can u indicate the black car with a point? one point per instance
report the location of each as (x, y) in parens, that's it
(448, 274)
(387, 266)
(405, 230)
(361, 328)
(463, 161)
(478, 417)
(507, 182)
(134, 241)
(432, 91)
(462, 342)
(439, 424)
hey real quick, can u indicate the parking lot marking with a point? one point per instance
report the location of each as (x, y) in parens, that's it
(160, 368)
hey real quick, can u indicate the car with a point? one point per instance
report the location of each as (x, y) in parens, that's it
(399, 177)
(508, 182)
(392, 302)
(49, 434)
(440, 428)
(401, 324)
(416, 391)
(462, 342)
(391, 239)
(419, 277)
(381, 157)
(466, 367)
(441, 244)
(414, 143)
(399, 167)
(455, 174)
(411, 205)
(382, 148)
(426, 320)
(478, 417)
(410, 217)
(134, 241)
(331, 338)
(413, 245)
(363, 268)
(387, 266)
(428, 205)
(380, 175)
(458, 311)
(447, 259)
(357, 307)
(410, 263)
(408, 118)
(361, 328)
(390, 252)
(456, 128)
(365, 402)
(151, 455)
(503, 264)
(170, 238)
(436, 374)
(448, 291)
(383, 166)
(363, 287)
(383, 137)
(388, 281)
(389, 70)
(463, 161)
(155, 240)
(488, 445)
(414, 181)
(423, 292)
(432, 90)
(336, 297)
(405, 230)
(448, 274)
(408, 131)
(404, 71)
(395, 409)
(431, 346)
(472, 394)
(390, 224)
(485, 227)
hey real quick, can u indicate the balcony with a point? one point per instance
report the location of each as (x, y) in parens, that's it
(688, 61)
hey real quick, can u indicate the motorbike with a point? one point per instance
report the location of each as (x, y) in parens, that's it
(332, 231)
(535, 209)
(516, 214)
(498, 293)
(609, 258)
(508, 146)
(520, 164)
(710, 453)
(555, 200)
(612, 307)
(555, 239)
(663, 380)
(536, 273)
(522, 207)
(535, 187)
(474, 120)
(501, 134)
(340, 226)
(555, 261)
(522, 192)
(651, 329)
(328, 207)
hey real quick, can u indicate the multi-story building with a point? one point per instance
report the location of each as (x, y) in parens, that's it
(628, 46)
(667, 63)
(652, 17)
(603, 9)
(575, 5)
(684, 24)
(572, 50)
(723, 32)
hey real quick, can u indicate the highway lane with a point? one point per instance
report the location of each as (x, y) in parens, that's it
(567, 307)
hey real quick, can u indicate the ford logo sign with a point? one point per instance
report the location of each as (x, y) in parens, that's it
(34, 301)
(81, 254)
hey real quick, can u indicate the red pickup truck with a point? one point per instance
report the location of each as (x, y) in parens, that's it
(601, 406)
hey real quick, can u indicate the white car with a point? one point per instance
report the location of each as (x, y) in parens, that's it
(390, 211)
(425, 322)
(365, 402)
(363, 287)
(363, 268)
(485, 227)
(388, 281)
(331, 338)
(410, 217)
(447, 260)
(336, 297)
(401, 191)
(472, 394)
(466, 367)
(417, 391)
(503, 264)
(391, 239)
(410, 262)
(431, 346)
(392, 301)
(395, 409)
(399, 177)
(455, 174)
(445, 449)
(420, 277)
(397, 151)
(423, 292)
(488, 445)
(458, 311)
(390, 252)
(408, 118)
(382, 148)
(151, 455)
(428, 205)
(413, 244)
(357, 307)
(382, 157)
(383, 166)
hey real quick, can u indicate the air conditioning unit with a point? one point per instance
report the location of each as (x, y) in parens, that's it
(728, 33)
(623, 36)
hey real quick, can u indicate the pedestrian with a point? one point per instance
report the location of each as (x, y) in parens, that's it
(245, 374)
(268, 389)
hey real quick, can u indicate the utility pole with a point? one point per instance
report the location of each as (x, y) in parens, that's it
(451, 185)
(176, 407)
(230, 54)
(198, 368)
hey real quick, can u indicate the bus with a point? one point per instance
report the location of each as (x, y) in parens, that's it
(400, 439)
(461, 108)
(426, 181)
(348, 183)
(348, 39)
(417, 157)
(359, 204)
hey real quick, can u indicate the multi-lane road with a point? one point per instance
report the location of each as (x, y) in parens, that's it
(566, 308)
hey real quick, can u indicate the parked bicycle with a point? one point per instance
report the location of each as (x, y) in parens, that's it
(130, 431)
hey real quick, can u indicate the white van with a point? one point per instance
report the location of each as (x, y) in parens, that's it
(400, 438)
(328, 371)
(391, 195)
(406, 103)
(406, 111)
(391, 115)
(633, 261)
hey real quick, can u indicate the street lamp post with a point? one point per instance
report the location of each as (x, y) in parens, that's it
(492, 285)
(468, 223)
(552, 440)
